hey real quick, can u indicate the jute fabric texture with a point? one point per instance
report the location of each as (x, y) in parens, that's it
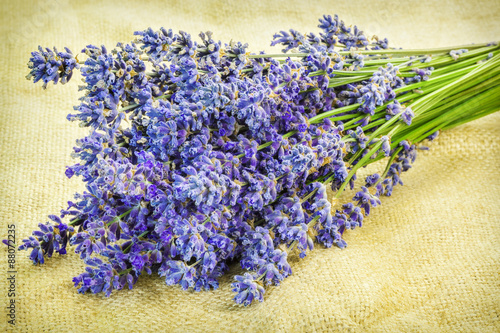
(427, 260)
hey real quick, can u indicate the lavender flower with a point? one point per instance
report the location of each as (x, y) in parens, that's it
(48, 65)
(247, 289)
(216, 154)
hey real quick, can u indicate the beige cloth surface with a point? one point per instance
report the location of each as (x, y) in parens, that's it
(427, 260)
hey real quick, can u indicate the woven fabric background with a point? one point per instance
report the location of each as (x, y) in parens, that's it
(427, 260)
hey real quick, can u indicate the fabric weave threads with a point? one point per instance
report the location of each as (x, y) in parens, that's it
(427, 260)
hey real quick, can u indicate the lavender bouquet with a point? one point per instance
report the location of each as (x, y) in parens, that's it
(202, 153)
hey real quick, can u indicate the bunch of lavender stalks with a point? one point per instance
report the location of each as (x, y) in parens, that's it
(201, 153)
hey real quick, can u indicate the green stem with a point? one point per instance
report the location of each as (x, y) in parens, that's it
(130, 245)
(119, 217)
(354, 169)
(378, 52)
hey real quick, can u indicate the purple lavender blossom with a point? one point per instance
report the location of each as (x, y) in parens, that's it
(221, 155)
(48, 239)
(48, 65)
(247, 289)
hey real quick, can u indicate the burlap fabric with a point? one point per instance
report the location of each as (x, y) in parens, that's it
(427, 260)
